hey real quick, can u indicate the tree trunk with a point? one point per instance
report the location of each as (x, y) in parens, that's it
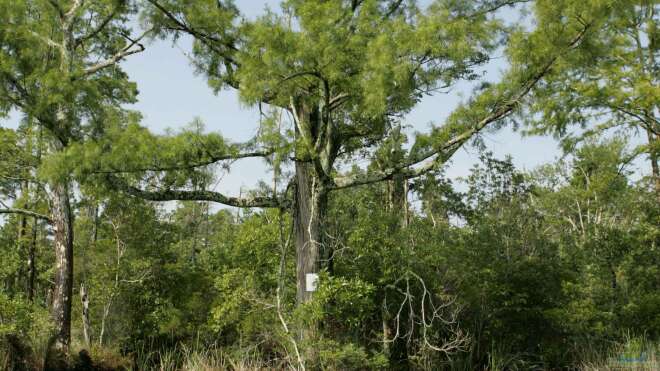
(62, 218)
(31, 262)
(22, 232)
(396, 350)
(655, 168)
(310, 207)
(104, 317)
(84, 295)
(397, 199)
(308, 216)
(84, 300)
(387, 330)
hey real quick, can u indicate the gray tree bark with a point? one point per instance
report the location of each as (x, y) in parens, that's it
(62, 218)
(84, 299)
(307, 227)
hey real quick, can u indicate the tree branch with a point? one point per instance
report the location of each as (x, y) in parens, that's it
(119, 56)
(212, 159)
(26, 212)
(497, 6)
(443, 152)
(68, 17)
(50, 42)
(203, 37)
(98, 28)
(203, 195)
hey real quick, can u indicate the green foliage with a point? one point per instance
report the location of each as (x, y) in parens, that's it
(508, 270)
(340, 298)
(611, 85)
(14, 316)
(20, 318)
(335, 356)
(506, 261)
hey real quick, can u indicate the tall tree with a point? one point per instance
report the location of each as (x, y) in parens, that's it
(54, 59)
(616, 86)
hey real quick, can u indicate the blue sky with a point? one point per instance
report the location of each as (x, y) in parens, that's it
(171, 95)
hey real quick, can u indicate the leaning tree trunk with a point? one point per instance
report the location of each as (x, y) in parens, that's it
(62, 218)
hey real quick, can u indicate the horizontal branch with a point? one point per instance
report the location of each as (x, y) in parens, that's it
(187, 166)
(181, 195)
(26, 212)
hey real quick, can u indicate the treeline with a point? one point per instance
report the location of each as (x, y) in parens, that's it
(535, 270)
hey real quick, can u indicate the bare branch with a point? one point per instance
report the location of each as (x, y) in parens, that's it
(119, 55)
(426, 314)
(200, 195)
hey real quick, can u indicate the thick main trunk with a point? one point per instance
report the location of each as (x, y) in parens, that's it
(309, 211)
(308, 216)
(62, 218)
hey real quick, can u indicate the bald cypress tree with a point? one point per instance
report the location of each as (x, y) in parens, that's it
(58, 66)
(613, 87)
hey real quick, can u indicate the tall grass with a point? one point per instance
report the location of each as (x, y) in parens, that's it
(631, 354)
(187, 358)
(634, 354)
